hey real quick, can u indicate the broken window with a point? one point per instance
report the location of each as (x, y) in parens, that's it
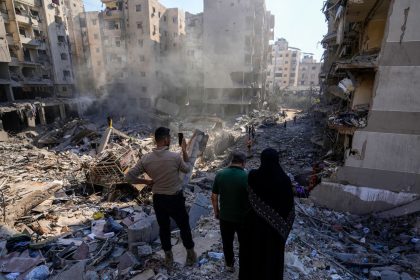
(294, 55)
(66, 74)
(159, 14)
(153, 11)
(58, 20)
(138, 8)
(117, 43)
(61, 39)
(94, 21)
(64, 56)
(164, 18)
(141, 43)
(140, 25)
(22, 31)
(278, 75)
(174, 19)
(154, 29)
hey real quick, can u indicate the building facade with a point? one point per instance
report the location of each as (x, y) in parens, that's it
(36, 63)
(309, 70)
(235, 37)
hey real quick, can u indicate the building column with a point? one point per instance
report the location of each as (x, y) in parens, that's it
(62, 111)
(41, 114)
(31, 121)
(9, 94)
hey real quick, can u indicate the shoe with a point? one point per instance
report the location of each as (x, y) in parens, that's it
(169, 258)
(230, 269)
(191, 257)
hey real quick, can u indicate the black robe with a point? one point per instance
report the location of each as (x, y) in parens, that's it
(269, 221)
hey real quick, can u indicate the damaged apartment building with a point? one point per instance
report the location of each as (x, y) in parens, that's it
(235, 50)
(37, 79)
(178, 62)
(290, 69)
(370, 84)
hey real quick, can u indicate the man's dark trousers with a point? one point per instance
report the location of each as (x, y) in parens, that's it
(227, 230)
(172, 206)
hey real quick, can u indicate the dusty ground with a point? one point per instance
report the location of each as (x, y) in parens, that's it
(323, 244)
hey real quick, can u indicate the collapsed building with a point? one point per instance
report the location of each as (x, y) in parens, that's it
(369, 81)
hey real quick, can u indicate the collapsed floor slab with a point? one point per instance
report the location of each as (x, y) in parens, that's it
(358, 200)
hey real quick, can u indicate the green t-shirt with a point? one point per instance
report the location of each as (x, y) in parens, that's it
(231, 185)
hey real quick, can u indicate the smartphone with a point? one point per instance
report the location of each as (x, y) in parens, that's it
(180, 138)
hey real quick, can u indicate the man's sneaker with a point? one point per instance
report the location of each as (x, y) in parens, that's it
(230, 269)
(191, 257)
(169, 259)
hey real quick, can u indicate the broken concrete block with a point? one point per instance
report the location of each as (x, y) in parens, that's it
(144, 250)
(145, 230)
(390, 275)
(82, 252)
(145, 275)
(4, 137)
(127, 260)
(198, 209)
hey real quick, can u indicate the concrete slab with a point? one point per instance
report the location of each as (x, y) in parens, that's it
(358, 200)
(199, 208)
(406, 209)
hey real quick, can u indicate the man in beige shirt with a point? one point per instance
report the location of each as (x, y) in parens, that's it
(163, 167)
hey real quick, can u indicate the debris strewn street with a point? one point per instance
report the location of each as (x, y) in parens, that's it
(60, 221)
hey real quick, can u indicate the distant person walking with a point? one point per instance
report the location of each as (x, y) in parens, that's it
(294, 120)
(269, 221)
(230, 188)
(285, 124)
(164, 168)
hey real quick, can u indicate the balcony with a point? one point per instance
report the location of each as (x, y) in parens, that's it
(112, 14)
(30, 2)
(23, 19)
(112, 32)
(29, 41)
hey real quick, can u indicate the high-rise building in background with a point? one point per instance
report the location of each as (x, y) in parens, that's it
(236, 41)
(288, 70)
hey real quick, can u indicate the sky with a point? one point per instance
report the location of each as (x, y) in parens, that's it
(300, 22)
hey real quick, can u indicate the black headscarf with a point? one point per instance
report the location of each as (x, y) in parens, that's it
(271, 184)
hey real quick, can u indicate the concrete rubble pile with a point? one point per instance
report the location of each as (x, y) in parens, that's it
(58, 223)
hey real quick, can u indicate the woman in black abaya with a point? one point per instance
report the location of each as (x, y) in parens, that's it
(269, 222)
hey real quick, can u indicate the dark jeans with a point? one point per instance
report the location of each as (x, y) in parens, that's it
(172, 206)
(227, 230)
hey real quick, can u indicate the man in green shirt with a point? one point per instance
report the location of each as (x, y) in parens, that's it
(230, 188)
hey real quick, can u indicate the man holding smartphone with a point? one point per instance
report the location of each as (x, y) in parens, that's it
(163, 167)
